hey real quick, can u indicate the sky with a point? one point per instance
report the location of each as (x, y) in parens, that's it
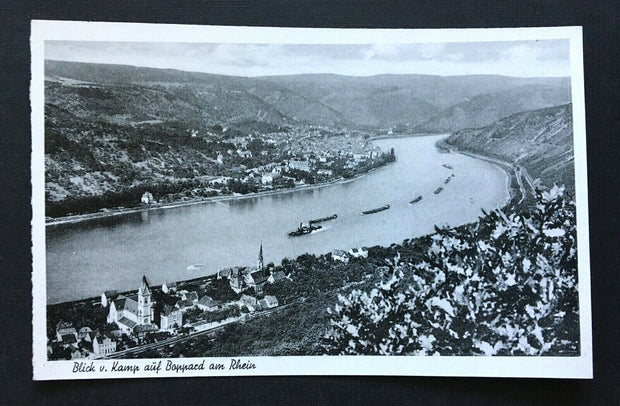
(542, 58)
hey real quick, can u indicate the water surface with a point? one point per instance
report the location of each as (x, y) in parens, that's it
(86, 258)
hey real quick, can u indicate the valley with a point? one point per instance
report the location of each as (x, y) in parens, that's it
(114, 132)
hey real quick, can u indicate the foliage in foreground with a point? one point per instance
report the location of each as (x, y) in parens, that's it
(506, 285)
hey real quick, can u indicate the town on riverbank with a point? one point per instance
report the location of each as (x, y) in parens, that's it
(156, 321)
(120, 140)
(314, 305)
(242, 165)
(152, 317)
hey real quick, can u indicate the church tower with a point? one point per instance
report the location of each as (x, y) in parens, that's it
(259, 264)
(144, 303)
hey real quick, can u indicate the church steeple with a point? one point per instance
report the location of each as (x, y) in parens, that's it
(260, 257)
(144, 287)
(144, 303)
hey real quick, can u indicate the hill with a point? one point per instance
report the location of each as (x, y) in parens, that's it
(382, 101)
(541, 141)
(480, 111)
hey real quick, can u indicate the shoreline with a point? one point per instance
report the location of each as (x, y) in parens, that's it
(509, 168)
(117, 212)
(78, 218)
(504, 166)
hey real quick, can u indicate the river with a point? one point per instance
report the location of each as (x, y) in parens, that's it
(88, 257)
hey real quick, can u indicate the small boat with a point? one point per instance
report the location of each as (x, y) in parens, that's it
(322, 219)
(447, 166)
(417, 199)
(448, 179)
(438, 190)
(195, 267)
(303, 230)
(378, 209)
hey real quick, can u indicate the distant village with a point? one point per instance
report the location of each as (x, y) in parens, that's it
(284, 159)
(152, 314)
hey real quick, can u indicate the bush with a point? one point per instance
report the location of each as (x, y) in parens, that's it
(506, 286)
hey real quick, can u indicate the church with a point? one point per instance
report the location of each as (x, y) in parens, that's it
(132, 310)
(251, 277)
(256, 277)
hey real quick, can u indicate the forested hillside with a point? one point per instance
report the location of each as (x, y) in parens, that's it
(540, 140)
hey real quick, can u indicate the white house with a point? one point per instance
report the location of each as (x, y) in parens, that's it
(269, 302)
(170, 317)
(169, 287)
(267, 179)
(256, 280)
(302, 165)
(84, 332)
(107, 296)
(104, 345)
(147, 198)
(358, 252)
(340, 255)
(250, 301)
(244, 153)
(64, 330)
(276, 277)
(208, 304)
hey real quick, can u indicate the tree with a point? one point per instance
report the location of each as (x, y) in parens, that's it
(506, 286)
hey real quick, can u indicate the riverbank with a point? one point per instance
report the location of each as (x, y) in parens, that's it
(397, 136)
(94, 254)
(116, 212)
(513, 172)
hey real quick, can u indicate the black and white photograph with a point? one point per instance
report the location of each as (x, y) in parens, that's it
(213, 201)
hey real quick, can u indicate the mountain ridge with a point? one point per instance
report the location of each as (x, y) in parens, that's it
(379, 101)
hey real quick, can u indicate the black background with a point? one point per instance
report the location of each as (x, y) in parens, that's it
(600, 22)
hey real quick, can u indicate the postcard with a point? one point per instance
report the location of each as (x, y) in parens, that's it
(238, 201)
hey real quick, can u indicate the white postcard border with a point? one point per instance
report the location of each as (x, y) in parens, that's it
(539, 367)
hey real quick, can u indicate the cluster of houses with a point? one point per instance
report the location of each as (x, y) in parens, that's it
(317, 160)
(133, 315)
(80, 343)
(343, 256)
(254, 277)
(320, 164)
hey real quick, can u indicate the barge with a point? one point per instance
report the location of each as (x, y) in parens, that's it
(322, 219)
(378, 209)
(417, 199)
